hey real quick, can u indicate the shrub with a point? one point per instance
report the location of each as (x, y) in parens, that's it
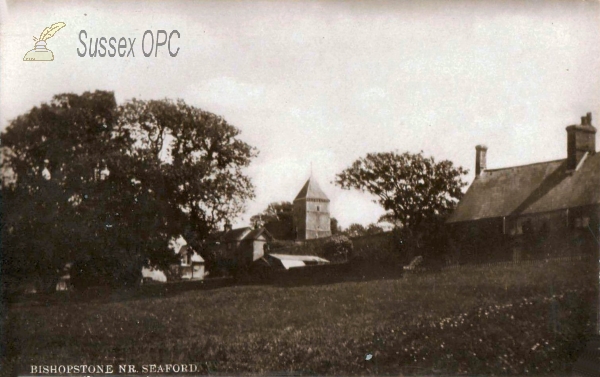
(279, 244)
(337, 249)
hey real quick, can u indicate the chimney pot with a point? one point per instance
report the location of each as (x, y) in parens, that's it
(580, 140)
(480, 159)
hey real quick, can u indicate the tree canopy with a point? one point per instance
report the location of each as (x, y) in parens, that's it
(87, 180)
(334, 225)
(412, 188)
(204, 161)
(275, 211)
(358, 230)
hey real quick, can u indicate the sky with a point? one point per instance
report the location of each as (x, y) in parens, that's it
(323, 83)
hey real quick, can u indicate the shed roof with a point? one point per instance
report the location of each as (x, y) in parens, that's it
(290, 261)
(311, 190)
(302, 258)
(529, 189)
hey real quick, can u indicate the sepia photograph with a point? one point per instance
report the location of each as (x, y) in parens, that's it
(299, 188)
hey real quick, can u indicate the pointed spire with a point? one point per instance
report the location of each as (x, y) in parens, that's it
(311, 190)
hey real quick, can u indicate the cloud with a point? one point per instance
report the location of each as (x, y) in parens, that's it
(328, 82)
(226, 92)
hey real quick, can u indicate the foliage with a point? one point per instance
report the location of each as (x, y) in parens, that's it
(280, 244)
(335, 227)
(410, 187)
(383, 249)
(204, 164)
(355, 230)
(53, 187)
(85, 179)
(359, 230)
(512, 320)
(431, 241)
(276, 211)
(310, 247)
(337, 249)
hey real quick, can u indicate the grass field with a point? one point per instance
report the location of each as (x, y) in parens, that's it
(531, 319)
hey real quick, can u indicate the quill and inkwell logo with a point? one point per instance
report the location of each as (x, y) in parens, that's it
(40, 53)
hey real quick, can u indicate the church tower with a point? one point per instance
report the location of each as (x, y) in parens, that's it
(311, 212)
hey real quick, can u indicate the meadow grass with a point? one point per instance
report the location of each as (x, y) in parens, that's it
(532, 319)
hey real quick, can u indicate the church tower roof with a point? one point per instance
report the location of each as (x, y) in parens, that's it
(311, 190)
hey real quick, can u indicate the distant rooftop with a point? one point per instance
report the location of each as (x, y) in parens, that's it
(242, 234)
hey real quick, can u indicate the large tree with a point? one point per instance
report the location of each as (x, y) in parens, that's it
(52, 160)
(412, 188)
(203, 162)
(86, 180)
(275, 211)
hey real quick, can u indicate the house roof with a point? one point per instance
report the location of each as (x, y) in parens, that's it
(255, 233)
(195, 257)
(237, 234)
(244, 234)
(529, 189)
(185, 249)
(311, 190)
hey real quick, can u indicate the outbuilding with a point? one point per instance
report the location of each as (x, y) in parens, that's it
(285, 261)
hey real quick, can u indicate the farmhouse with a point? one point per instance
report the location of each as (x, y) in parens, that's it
(536, 210)
(240, 246)
(191, 264)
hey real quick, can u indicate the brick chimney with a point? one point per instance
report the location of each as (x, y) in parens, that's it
(480, 161)
(227, 227)
(581, 138)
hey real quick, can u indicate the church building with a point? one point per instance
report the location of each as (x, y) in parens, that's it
(311, 217)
